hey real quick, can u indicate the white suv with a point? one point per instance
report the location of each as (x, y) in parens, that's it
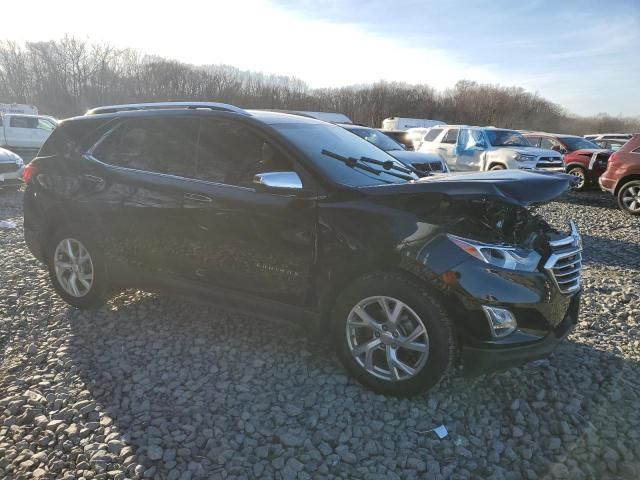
(467, 148)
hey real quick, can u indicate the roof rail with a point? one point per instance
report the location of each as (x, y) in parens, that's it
(166, 105)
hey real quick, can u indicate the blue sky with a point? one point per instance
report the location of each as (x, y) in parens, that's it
(584, 55)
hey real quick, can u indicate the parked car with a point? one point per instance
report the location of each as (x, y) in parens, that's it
(467, 148)
(10, 166)
(582, 158)
(622, 177)
(613, 144)
(423, 162)
(403, 123)
(608, 136)
(290, 216)
(25, 134)
(401, 136)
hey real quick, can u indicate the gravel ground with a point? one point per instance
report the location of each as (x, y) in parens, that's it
(154, 387)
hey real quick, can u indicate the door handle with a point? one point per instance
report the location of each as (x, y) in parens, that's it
(441, 148)
(195, 197)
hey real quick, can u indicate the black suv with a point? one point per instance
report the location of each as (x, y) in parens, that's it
(278, 213)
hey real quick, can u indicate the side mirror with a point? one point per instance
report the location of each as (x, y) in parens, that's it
(277, 181)
(556, 148)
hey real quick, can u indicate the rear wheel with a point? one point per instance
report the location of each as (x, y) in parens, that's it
(391, 335)
(629, 197)
(77, 270)
(581, 175)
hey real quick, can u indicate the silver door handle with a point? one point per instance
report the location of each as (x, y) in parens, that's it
(195, 197)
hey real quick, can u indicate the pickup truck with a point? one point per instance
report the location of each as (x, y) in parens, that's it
(467, 148)
(25, 134)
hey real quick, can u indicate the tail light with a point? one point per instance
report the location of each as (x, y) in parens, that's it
(613, 157)
(28, 172)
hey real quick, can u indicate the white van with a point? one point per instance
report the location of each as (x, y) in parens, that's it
(402, 123)
(18, 108)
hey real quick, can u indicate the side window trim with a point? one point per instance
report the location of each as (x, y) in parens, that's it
(89, 155)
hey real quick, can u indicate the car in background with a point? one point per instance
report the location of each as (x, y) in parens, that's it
(622, 177)
(400, 136)
(582, 158)
(24, 134)
(611, 143)
(10, 168)
(424, 162)
(403, 123)
(608, 136)
(466, 148)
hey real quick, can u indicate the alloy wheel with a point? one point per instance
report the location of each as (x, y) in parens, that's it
(631, 199)
(387, 338)
(579, 174)
(74, 267)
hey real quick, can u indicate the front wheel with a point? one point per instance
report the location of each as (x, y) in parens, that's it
(77, 270)
(391, 335)
(497, 167)
(582, 179)
(629, 197)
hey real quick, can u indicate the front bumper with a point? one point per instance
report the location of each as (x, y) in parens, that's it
(482, 357)
(9, 179)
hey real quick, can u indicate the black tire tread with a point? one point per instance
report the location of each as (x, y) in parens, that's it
(438, 314)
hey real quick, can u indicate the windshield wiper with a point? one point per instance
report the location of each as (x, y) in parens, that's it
(358, 162)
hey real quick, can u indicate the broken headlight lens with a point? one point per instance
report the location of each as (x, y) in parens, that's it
(502, 256)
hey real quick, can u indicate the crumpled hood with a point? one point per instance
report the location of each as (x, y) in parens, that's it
(515, 187)
(410, 157)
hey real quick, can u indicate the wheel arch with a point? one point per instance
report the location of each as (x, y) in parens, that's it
(437, 288)
(624, 180)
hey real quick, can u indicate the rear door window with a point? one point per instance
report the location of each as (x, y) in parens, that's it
(432, 134)
(451, 136)
(547, 143)
(161, 145)
(23, 122)
(534, 141)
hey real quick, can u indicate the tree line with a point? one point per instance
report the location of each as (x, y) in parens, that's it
(66, 77)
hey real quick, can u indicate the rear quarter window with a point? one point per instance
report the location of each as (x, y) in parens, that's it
(74, 137)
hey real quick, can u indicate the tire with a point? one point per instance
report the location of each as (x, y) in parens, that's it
(419, 310)
(62, 267)
(629, 197)
(497, 167)
(581, 174)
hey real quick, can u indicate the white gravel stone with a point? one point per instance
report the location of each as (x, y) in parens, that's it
(156, 387)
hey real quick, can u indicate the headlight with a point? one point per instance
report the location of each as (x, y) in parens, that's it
(501, 256)
(519, 157)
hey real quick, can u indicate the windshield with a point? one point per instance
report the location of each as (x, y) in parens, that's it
(379, 139)
(577, 143)
(507, 138)
(314, 138)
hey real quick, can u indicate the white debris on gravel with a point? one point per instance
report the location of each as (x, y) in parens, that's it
(151, 387)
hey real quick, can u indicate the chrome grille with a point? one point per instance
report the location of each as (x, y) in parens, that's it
(565, 262)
